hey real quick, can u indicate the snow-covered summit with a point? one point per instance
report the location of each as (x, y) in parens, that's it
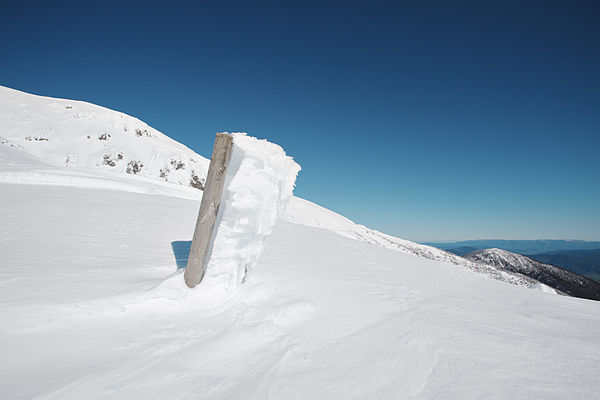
(78, 134)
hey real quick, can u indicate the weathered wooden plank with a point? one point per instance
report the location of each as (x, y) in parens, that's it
(202, 241)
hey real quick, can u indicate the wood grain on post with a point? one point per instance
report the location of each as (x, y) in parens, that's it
(202, 241)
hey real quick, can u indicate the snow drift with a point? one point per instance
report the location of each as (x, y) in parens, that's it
(259, 183)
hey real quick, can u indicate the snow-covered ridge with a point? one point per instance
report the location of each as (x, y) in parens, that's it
(304, 212)
(565, 281)
(78, 134)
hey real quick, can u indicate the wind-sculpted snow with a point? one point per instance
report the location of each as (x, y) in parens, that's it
(83, 135)
(92, 307)
(259, 183)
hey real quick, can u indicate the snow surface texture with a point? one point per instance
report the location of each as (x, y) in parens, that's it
(79, 134)
(258, 185)
(92, 307)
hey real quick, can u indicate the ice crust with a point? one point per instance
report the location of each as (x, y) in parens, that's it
(259, 183)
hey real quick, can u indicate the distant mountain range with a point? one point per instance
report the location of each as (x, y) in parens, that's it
(519, 246)
(584, 262)
(577, 256)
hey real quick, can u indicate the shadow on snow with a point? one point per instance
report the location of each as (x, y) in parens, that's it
(181, 251)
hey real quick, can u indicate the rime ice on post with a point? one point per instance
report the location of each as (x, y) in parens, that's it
(259, 181)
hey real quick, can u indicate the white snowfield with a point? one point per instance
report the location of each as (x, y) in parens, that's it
(303, 212)
(93, 305)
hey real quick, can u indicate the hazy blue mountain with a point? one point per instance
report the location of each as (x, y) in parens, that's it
(520, 246)
(462, 250)
(584, 262)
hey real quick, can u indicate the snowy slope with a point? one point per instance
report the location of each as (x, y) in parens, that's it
(19, 167)
(83, 136)
(79, 134)
(566, 281)
(93, 305)
(304, 212)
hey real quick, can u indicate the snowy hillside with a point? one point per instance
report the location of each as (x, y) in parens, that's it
(83, 136)
(306, 213)
(566, 281)
(79, 134)
(93, 305)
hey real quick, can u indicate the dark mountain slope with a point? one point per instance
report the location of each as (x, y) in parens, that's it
(583, 262)
(565, 281)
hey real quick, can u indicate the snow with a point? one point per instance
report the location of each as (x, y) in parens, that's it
(82, 135)
(306, 213)
(258, 185)
(544, 288)
(19, 167)
(103, 148)
(92, 306)
(560, 280)
(93, 303)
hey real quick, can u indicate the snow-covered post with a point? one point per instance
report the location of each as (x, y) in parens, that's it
(209, 207)
(249, 182)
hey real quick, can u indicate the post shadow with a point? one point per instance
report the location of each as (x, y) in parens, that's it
(181, 251)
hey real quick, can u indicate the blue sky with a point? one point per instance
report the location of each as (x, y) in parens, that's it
(425, 120)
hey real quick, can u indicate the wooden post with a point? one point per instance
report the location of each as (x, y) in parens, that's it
(202, 241)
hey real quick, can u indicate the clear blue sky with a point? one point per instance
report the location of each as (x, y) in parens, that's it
(429, 121)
